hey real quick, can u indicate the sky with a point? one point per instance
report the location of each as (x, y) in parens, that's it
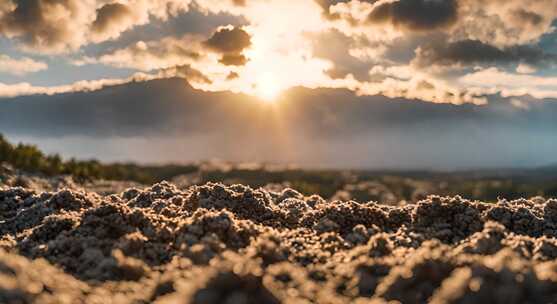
(454, 51)
(498, 57)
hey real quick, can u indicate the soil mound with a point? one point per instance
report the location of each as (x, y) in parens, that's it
(234, 244)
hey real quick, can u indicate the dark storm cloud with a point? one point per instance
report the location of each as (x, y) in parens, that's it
(63, 26)
(230, 42)
(43, 24)
(111, 15)
(415, 15)
(227, 40)
(191, 22)
(470, 52)
(527, 17)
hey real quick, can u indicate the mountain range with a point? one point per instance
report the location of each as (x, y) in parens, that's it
(167, 120)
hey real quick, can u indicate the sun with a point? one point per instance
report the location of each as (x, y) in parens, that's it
(268, 88)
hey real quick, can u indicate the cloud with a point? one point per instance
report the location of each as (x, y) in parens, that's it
(474, 52)
(519, 104)
(187, 72)
(498, 22)
(399, 48)
(26, 89)
(115, 17)
(230, 42)
(494, 80)
(414, 15)
(47, 25)
(111, 20)
(152, 55)
(440, 42)
(62, 26)
(385, 20)
(20, 67)
(179, 71)
(339, 49)
(6, 6)
(326, 4)
(233, 59)
(505, 22)
(418, 87)
(526, 69)
(227, 42)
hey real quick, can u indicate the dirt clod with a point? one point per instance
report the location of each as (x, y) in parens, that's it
(234, 244)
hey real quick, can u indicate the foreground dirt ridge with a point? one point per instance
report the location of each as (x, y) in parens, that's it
(219, 244)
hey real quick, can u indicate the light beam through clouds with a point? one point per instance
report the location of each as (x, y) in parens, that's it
(433, 50)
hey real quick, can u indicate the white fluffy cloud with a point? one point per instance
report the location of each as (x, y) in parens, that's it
(20, 67)
(500, 22)
(152, 55)
(506, 22)
(431, 50)
(24, 88)
(494, 80)
(61, 26)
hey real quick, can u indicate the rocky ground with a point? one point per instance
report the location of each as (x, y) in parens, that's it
(233, 244)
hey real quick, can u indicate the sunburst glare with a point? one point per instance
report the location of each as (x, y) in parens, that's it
(268, 87)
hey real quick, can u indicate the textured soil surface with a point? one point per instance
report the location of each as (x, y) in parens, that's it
(220, 244)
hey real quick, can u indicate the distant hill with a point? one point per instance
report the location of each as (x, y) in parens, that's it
(168, 120)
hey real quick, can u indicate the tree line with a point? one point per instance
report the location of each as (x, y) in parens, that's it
(29, 158)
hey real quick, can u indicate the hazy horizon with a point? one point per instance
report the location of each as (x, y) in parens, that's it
(166, 121)
(403, 84)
